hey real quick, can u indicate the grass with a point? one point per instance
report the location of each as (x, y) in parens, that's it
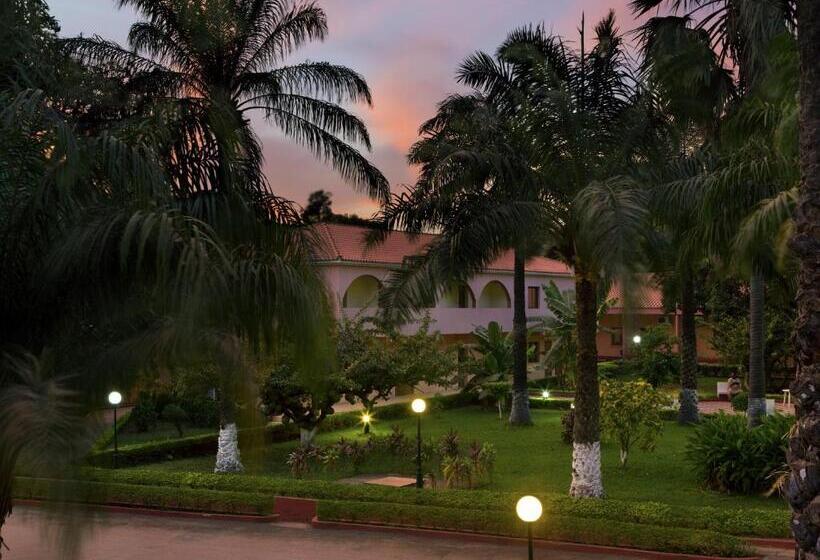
(529, 459)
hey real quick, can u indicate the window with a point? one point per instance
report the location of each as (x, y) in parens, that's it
(617, 338)
(465, 297)
(532, 297)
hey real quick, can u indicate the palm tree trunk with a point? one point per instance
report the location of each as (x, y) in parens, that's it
(227, 451)
(586, 447)
(804, 487)
(757, 372)
(688, 413)
(520, 408)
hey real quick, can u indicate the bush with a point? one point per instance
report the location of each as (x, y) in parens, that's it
(552, 527)
(610, 370)
(736, 521)
(653, 359)
(144, 415)
(631, 414)
(740, 402)
(175, 415)
(202, 411)
(728, 456)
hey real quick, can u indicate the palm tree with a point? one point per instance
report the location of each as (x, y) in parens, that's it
(805, 245)
(741, 31)
(691, 90)
(200, 69)
(479, 187)
(590, 122)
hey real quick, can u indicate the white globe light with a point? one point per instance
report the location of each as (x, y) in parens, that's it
(114, 397)
(366, 418)
(545, 393)
(636, 339)
(418, 406)
(529, 509)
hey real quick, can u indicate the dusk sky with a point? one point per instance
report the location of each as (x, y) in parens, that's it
(408, 50)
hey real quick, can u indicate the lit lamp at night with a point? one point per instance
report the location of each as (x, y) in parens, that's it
(367, 419)
(545, 393)
(529, 511)
(636, 339)
(418, 406)
(114, 399)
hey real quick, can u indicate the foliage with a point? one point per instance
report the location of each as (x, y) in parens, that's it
(653, 359)
(560, 328)
(631, 413)
(568, 426)
(610, 370)
(495, 348)
(319, 207)
(284, 392)
(174, 414)
(449, 445)
(144, 415)
(499, 392)
(740, 402)
(728, 456)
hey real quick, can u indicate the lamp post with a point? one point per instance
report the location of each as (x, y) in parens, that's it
(114, 399)
(418, 406)
(545, 393)
(636, 339)
(366, 420)
(529, 511)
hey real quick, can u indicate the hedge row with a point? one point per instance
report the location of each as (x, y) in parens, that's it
(162, 497)
(735, 521)
(107, 436)
(553, 527)
(193, 446)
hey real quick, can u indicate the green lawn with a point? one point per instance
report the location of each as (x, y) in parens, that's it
(531, 459)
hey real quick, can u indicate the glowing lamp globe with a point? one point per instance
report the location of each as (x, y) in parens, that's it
(366, 418)
(115, 398)
(528, 509)
(636, 339)
(418, 406)
(545, 394)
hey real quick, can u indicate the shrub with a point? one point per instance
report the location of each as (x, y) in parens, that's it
(175, 415)
(568, 426)
(497, 392)
(449, 445)
(653, 359)
(202, 411)
(728, 456)
(740, 402)
(610, 370)
(631, 414)
(144, 414)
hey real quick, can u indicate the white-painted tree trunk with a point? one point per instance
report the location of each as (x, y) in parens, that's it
(306, 436)
(227, 451)
(586, 471)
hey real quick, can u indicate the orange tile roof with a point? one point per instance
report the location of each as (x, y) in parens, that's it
(343, 242)
(646, 294)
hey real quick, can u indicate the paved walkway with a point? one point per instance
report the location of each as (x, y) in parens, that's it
(31, 534)
(711, 407)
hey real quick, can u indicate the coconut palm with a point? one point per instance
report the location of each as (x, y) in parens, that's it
(199, 69)
(803, 491)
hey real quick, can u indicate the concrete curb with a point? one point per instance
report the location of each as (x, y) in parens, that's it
(497, 539)
(783, 544)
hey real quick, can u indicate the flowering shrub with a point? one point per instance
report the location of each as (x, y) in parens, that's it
(632, 414)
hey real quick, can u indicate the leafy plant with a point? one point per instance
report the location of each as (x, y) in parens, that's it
(631, 413)
(449, 445)
(299, 460)
(740, 402)
(144, 415)
(653, 359)
(457, 471)
(175, 415)
(728, 456)
(498, 392)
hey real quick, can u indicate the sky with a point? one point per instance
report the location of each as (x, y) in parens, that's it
(407, 50)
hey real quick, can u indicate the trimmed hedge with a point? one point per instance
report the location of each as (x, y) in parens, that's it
(553, 527)
(192, 446)
(735, 521)
(107, 436)
(162, 497)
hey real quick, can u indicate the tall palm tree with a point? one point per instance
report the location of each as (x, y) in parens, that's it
(741, 32)
(803, 490)
(691, 91)
(479, 187)
(199, 69)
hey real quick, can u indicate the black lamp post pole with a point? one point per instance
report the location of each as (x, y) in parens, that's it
(529, 539)
(419, 476)
(115, 436)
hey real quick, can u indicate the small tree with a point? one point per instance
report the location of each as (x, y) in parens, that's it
(174, 414)
(285, 393)
(653, 359)
(422, 357)
(631, 414)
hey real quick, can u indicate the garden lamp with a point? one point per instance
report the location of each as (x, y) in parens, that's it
(366, 420)
(114, 399)
(545, 393)
(418, 406)
(636, 339)
(529, 511)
